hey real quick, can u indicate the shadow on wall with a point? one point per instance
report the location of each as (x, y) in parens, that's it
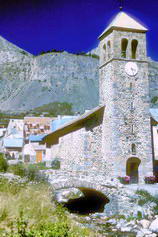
(92, 202)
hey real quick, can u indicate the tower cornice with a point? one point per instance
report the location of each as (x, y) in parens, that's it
(123, 60)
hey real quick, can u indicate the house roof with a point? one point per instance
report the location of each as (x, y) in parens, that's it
(36, 138)
(71, 124)
(61, 121)
(154, 114)
(124, 21)
(13, 142)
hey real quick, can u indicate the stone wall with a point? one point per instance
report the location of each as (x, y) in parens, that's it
(81, 149)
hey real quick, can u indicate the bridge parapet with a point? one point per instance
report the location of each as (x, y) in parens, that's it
(122, 201)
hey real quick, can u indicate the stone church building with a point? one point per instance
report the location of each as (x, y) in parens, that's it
(116, 138)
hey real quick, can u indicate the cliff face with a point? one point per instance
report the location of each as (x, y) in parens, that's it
(153, 82)
(27, 81)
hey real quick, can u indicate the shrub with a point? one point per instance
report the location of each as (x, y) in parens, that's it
(3, 163)
(40, 165)
(31, 172)
(55, 164)
(154, 100)
(150, 179)
(146, 197)
(124, 180)
(18, 169)
(20, 157)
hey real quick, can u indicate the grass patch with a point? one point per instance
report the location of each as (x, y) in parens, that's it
(26, 210)
(30, 171)
(146, 197)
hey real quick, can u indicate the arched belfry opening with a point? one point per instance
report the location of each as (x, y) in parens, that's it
(124, 44)
(104, 48)
(109, 49)
(134, 46)
(133, 148)
(132, 169)
(93, 201)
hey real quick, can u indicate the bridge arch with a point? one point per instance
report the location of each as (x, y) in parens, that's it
(94, 198)
(78, 183)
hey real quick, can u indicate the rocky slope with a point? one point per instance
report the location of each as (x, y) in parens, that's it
(27, 81)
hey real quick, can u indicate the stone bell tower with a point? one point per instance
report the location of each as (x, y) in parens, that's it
(124, 89)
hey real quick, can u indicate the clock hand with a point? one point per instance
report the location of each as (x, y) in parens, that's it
(133, 70)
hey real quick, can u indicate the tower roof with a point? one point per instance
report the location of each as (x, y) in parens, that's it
(126, 22)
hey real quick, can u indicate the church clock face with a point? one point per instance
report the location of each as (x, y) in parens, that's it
(131, 69)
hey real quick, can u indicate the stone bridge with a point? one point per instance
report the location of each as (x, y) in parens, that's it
(114, 198)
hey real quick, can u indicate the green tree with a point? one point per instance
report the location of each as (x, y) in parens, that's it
(3, 163)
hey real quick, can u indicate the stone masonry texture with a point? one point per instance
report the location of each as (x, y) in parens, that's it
(126, 119)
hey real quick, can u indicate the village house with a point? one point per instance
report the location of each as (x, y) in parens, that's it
(13, 140)
(35, 128)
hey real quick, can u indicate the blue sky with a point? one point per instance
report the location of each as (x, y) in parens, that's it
(71, 25)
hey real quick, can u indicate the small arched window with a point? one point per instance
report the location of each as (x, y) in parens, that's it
(133, 149)
(134, 48)
(132, 106)
(132, 129)
(104, 47)
(109, 49)
(130, 86)
(124, 44)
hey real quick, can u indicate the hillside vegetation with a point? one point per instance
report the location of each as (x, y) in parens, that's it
(26, 210)
(54, 109)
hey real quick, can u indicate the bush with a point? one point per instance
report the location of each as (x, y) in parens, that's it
(124, 180)
(150, 179)
(17, 169)
(3, 163)
(40, 165)
(146, 197)
(31, 172)
(154, 100)
(55, 164)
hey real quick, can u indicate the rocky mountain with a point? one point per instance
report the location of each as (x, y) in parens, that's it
(28, 81)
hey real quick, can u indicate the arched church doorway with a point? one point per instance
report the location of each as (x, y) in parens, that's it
(156, 168)
(132, 169)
